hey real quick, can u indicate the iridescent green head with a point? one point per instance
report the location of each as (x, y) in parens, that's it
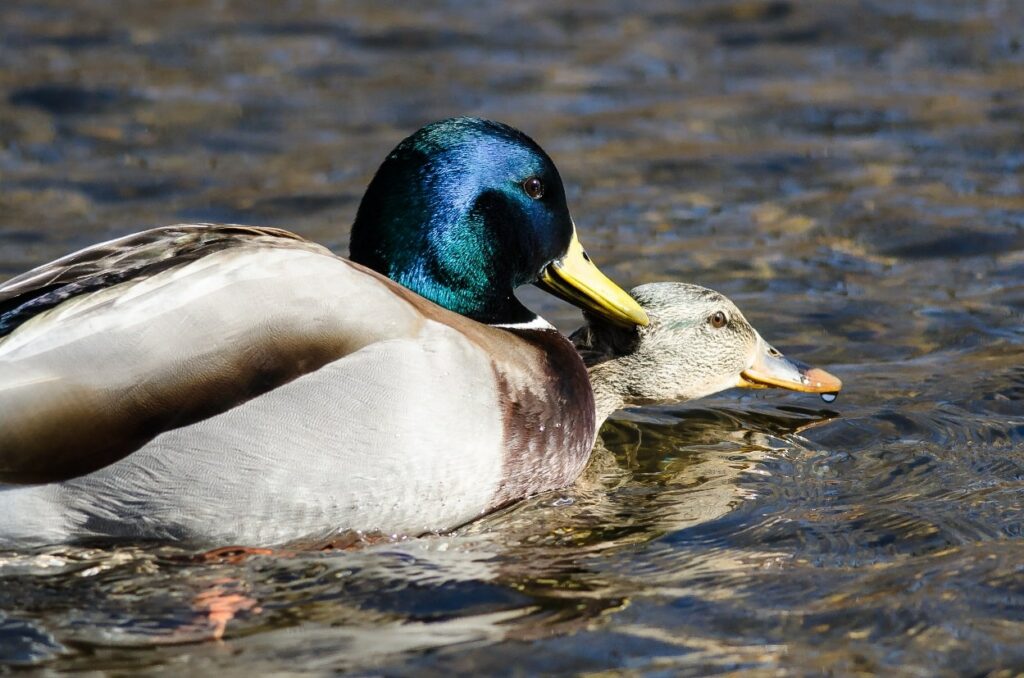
(464, 211)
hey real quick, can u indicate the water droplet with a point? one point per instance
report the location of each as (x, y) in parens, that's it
(829, 397)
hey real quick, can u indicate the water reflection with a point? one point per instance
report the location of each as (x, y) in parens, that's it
(693, 529)
(553, 565)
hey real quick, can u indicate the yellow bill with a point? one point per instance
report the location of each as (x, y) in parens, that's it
(577, 280)
(771, 368)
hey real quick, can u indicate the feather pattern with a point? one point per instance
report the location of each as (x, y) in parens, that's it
(301, 394)
(135, 256)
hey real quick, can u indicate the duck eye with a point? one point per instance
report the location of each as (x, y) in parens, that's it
(534, 188)
(717, 319)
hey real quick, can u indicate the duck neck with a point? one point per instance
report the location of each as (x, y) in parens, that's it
(609, 355)
(609, 387)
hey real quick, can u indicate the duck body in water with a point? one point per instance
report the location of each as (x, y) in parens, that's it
(229, 384)
(224, 384)
(697, 343)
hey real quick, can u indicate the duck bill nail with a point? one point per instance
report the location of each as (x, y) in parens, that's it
(577, 280)
(772, 369)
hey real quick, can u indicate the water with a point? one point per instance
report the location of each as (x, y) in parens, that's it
(850, 173)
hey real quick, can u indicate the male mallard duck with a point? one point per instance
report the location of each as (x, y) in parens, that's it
(697, 343)
(237, 384)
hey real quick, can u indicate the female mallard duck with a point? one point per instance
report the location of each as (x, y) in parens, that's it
(236, 384)
(697, 343)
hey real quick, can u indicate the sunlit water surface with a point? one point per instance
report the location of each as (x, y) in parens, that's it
(850, 173)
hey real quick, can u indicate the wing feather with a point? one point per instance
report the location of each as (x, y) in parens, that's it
(132, 257)
(236, 313)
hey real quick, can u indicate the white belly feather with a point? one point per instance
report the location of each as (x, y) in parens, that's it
(389, 438)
